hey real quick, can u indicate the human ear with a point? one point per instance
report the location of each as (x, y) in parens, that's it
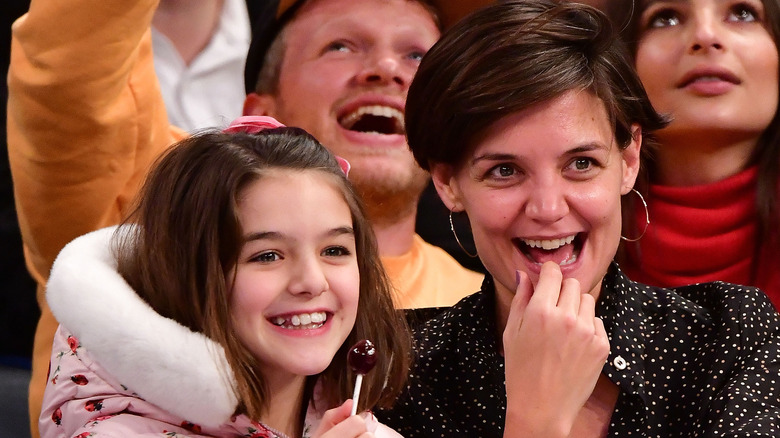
(259, 105)
(443, 176)
(631, 159)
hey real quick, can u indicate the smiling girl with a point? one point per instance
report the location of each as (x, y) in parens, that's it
(713, 190)
(227, 304)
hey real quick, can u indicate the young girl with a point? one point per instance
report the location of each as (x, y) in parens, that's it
(228, 305)
(714, 184)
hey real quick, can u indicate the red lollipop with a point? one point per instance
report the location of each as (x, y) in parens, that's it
(361, 358)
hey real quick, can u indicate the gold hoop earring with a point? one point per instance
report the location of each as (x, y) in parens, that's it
(647, 218)
(452, 228)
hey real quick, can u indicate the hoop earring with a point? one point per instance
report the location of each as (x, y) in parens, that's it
(452, 228)
(647, 218)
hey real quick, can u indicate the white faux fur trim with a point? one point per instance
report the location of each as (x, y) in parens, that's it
(167, 364)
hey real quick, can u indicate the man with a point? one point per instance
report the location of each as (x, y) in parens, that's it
(86, 119)
(344, 77)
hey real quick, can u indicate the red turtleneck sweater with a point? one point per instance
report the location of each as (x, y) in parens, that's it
(704, 233)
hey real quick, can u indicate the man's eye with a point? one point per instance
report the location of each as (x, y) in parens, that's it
(416, 56)
(337, 46)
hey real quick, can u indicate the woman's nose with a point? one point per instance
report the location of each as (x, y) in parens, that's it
(706, 33)
(547, 203)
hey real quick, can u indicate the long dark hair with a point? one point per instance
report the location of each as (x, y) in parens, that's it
(189, 237)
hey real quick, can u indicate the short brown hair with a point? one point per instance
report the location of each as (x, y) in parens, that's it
(509, 56)
(188, 241)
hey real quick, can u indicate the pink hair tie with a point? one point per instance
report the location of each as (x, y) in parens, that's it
(345, 166)
(252, 124)
(255, 124)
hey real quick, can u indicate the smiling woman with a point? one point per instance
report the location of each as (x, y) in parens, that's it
(531, 119)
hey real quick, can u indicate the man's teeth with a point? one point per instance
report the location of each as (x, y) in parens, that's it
(549, 244)
(302, 320)
(373, 110)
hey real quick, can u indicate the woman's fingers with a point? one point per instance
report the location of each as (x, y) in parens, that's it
(548, 288)
(523, 293)
(554, 350)
(570, 297)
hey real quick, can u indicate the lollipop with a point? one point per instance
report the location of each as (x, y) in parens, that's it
(361, 358)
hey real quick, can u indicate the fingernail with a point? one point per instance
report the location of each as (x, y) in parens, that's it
(371, 421)
(517, 278)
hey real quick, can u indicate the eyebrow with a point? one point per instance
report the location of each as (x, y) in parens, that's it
(275, 235)
(586, 147)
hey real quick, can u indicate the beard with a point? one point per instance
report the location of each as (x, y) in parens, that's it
(389, 198)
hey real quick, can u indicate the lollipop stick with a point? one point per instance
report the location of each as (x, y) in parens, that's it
(356, 394)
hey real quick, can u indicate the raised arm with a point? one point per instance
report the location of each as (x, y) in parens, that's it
(85, 120)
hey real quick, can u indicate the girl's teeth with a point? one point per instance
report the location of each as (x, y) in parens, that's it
(549, 244)
(303, 320)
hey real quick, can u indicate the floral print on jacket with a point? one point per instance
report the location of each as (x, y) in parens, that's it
(82, 400)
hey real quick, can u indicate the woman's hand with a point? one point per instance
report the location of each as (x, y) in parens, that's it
(554, 350)
(338, 423)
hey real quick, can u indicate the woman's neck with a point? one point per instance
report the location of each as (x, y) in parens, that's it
(284, 409)
(688, 160)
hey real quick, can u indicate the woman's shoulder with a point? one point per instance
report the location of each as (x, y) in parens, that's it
(715, 304)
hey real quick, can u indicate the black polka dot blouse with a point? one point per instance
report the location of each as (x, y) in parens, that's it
(700, 361)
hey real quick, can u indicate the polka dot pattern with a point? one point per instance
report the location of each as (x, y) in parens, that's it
(702, 360)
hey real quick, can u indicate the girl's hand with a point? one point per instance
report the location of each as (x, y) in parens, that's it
(338, 423)
(554, 350)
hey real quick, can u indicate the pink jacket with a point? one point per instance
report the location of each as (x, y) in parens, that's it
(120, 369)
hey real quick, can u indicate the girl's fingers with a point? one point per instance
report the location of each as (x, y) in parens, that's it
(334, 416)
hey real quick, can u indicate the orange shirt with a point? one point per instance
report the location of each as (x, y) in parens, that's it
(427, 276)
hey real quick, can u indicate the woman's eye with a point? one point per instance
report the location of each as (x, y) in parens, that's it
(582, 163)
(743, 13)
(663, 18)
(267, 257)
(502, 171)
(335, 251)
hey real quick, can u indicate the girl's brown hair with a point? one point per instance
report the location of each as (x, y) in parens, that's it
(187, 242)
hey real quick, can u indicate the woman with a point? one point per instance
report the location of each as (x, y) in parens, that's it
(228, 307)
(714, 184)
(531, 120)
